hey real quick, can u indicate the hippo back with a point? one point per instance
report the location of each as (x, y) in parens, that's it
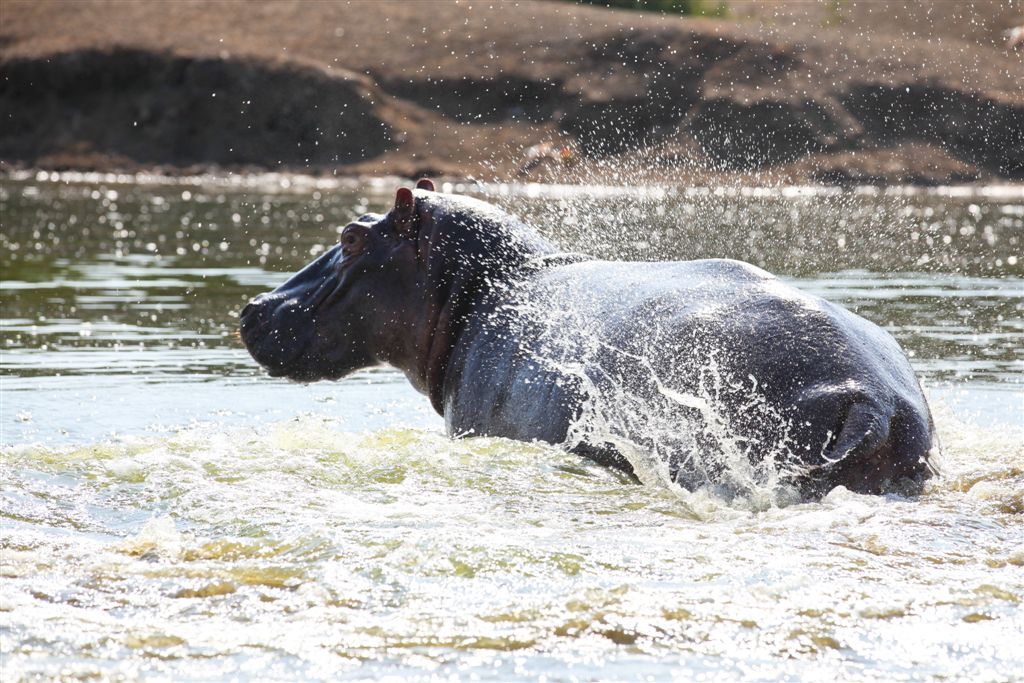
(704, 369)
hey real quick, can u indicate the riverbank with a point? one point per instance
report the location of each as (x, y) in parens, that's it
(543, 91)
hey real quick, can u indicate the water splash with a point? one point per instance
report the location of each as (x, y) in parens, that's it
(402, 552)
(697, 425)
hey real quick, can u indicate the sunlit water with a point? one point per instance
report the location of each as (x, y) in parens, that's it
(169, 512)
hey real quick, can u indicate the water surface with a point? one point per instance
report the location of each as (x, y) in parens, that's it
(168, 511)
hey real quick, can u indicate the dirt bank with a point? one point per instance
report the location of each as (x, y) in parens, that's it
(466, 89)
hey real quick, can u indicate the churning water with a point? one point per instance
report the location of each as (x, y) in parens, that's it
(169, 512)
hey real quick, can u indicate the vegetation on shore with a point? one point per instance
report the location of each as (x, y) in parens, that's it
(696, 8)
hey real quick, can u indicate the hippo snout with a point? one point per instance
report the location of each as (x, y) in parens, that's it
(277, 331)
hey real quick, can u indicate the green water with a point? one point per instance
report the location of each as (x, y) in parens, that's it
(167, 512)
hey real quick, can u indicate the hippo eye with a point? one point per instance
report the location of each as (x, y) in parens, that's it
(353, 240)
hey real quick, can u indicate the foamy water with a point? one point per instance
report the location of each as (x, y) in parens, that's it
(302, 549)
(168, 513)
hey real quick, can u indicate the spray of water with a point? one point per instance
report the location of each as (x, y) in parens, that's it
(701, 424)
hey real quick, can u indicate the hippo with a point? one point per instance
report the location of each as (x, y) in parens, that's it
(709, 372)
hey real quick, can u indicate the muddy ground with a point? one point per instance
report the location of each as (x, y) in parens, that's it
(831, 92)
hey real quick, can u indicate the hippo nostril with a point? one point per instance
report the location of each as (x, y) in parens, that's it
(257, 311)
(250, 316)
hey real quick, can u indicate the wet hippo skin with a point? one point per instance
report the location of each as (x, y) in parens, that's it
(709, 367)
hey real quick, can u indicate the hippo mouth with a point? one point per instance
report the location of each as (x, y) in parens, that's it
(278, 338)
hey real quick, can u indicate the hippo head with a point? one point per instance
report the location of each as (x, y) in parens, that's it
(394, 290)
(350, 308)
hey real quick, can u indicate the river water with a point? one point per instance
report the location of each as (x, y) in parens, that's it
(168, 512)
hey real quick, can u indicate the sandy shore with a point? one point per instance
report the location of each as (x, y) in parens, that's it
(546, 91)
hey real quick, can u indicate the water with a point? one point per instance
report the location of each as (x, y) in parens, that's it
(168, 512)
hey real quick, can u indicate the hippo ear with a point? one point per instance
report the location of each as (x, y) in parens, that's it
(425, 184)
(404, 202)
(404, 212)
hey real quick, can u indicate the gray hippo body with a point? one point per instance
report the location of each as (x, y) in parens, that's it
(838, 386)
(704, 368)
